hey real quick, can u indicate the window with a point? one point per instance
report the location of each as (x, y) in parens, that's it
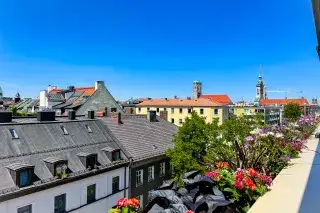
(116, 155)
(13, 133)
(25, 209)
(139, 109)
(216, 111)
(91, 161)
(172, 120)
(139, 177)
(172, 110)
(164, 109)
(201, 111)
(24, 178)
(60, 168)
(158, 109)
(89, 129)
(180, 110)
(148, 109)
(140, 199)
(115, 184)
(162, 169)
(65, 132)
(60, 203)
(150, 195)
(180, 121)
(189, 110)
(113, 109)
(91, 193)
(150, 173)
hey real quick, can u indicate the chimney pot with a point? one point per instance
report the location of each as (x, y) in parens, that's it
(119, 121)
(72, 115)
(46, 116)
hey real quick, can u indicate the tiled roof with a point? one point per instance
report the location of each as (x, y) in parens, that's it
(180, 102)
(301, 102)
(141, 137)
(223, 99)
(87, 92)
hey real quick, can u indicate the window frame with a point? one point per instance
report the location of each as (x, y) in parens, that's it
(29, 177)
(139, 109)
(140, 199)
(94, 158)
(189, 110)
(172, 110)
(180, 121)
(141, 177)
(113, 153)
(180, 110)
(216, 111)
(91, 198)
(115, 189)
(152, 173)
(162, 169)
(158, 109)
(64, 199)
(172, 120)
(24, 209)
(201, 111)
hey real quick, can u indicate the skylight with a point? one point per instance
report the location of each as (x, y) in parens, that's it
(88, 128)
(64, 130)
(13, 133)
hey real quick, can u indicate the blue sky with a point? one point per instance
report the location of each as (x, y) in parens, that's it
(144, 48)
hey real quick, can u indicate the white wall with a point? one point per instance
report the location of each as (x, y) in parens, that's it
(76, 195)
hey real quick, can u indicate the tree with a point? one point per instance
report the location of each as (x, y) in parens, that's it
(14, 110)
(292, 111)
(190, 144)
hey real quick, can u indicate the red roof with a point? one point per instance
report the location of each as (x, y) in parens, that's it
(85, 91)
(301, 102)
(223, 99)
(180, 102)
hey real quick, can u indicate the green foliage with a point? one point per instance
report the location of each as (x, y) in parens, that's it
(292, 111)
(15, 112)
(190, 144)
(13, 109)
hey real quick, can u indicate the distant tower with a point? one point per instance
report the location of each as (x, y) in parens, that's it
(197, 89)
(17, 98)
(261, 90)
(1, 97)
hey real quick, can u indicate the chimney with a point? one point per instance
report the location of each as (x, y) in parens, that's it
(188, 98)
(99, 84)
(46, 116)
(175, 97)
(118, 118)
(70, 88)
(152, 116)
(166, 99)
(50, 88)
(5, 117)
(164, 115)
(72, 115)
(91, 114)
(106, 111)
(43, 99)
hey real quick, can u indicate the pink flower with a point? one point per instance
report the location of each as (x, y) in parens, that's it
(253, 173)
(249, 139)
(123, 202)
(189, 211)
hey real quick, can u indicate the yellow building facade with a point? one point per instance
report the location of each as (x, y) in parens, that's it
(179, 109)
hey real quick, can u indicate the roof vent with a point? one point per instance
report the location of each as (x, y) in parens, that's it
(46, 116)
(91, 114)
(5, 117)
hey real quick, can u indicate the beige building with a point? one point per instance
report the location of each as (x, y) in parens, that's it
(177, 110)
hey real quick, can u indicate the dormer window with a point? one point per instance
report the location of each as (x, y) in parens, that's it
(57, 167)
(112, 153)
(21, 174)
(113, 109)
(64, 130)
(13, 133)
(88, 128)
(88, 160)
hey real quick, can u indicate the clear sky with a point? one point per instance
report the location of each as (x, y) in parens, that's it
(152, 48)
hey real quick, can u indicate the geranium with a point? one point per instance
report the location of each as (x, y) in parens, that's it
(133, 203)
(189, 211)
(239, 184)
(123, 202)
(266, 179)
(215, 175)
(253, 173)
(249, 139)
(249, 183)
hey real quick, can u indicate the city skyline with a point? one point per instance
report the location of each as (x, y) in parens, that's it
(136, 53)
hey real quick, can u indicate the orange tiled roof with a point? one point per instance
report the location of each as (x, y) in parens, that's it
(223, 99)
(87, 91)
(180, 102)
(301, 101)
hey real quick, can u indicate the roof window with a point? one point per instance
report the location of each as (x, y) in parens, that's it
(88, 128)
(13, 133)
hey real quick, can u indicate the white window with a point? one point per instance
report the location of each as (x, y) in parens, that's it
(140, 199)
(150, 195)
(216, 111)
(25, 209)
(162, 169)
(150, 173)
(13, 133)
(139, 177)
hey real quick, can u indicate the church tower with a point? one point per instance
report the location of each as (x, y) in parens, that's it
(261, 90)
(197, 89)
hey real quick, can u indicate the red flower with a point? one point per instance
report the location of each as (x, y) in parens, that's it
(239, 174)
(189, 211)
(215, 175)
(239, 184)
(250, 184)
(253, 173)
(266, 179)
(222, 165)
(133, 203)
(123, 202)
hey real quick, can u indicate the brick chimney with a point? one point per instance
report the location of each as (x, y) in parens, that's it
(99, 84)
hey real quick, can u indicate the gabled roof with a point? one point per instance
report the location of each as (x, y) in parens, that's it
(223, 99)
(301, 102)
(179, 103)
(140, 137)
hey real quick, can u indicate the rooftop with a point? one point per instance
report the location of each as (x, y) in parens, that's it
(301, 102)
(223, 99)
(180, 102)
